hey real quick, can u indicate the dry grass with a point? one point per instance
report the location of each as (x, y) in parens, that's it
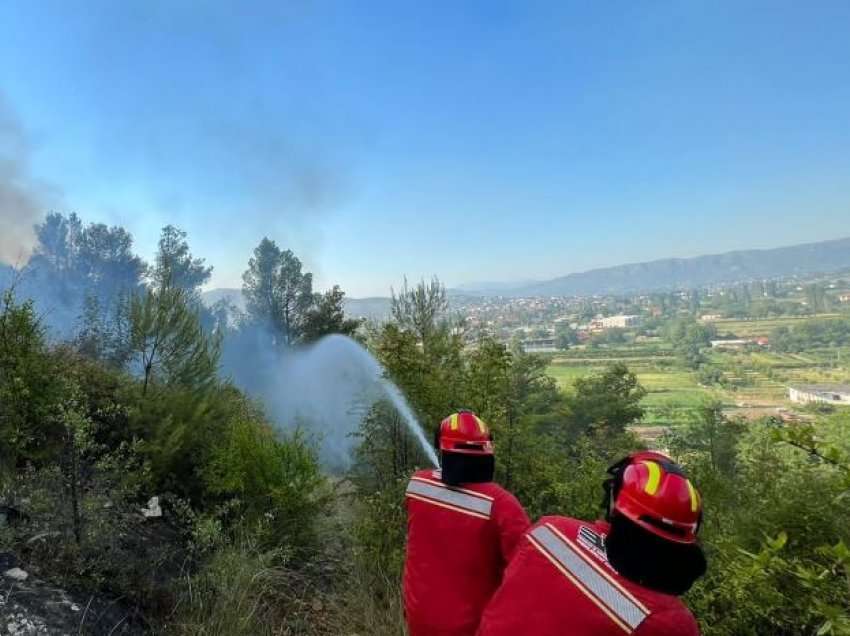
(243, 592)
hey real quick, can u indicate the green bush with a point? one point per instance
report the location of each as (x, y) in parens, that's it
(31, 385)
(274, 479)
(776, 529)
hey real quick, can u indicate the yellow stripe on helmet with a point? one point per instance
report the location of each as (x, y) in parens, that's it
(694, 496)
(654, 477)
(481, 425)
(453, 423)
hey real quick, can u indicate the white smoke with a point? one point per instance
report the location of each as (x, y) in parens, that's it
(22, 199)
(327, 388)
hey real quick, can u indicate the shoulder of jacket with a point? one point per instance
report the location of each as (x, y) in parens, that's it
(431, 474)
(557, 521)
(676, 620)
(501, 494)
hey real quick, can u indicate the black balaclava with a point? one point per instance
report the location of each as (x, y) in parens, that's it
(460, 468)
(651, 561)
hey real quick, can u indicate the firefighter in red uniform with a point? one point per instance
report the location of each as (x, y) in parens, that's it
(462, 530)
(610, 578)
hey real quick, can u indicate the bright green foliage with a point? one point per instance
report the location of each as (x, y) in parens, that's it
(30, 386)
(422, 351)
(179, 427)
(273, 479)
(513, 393)
(432, 377)
(167, 341)
(775, 529)
(609, 401)
(565, 479)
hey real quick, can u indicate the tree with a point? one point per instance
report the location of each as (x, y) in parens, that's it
(422, 309)
(88, 256)
(78, 440)
(689, 338)
(609, 401)
(30, 386)
(709, 434)
(327, 316)
(174, 265)
(168, 342)
(565, 336)
(277, 292)
(72, 262)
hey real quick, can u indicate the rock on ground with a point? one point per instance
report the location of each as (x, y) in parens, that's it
(32, 607)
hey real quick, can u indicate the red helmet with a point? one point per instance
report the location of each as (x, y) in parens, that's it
(464, 432)
(653, 491)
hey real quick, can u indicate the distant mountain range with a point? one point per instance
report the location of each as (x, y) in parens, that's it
(665, 274)
(684, 273)
(491, 287)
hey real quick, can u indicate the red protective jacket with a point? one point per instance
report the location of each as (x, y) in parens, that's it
(459, 541)
(560, 582)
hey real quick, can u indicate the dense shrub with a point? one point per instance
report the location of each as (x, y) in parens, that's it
(274, 479)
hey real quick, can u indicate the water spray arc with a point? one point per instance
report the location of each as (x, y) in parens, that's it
(395, 396)
(326, 389)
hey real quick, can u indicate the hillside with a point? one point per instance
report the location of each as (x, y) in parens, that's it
(700, 271)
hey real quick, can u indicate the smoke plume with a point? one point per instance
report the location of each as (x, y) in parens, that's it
(22, 199)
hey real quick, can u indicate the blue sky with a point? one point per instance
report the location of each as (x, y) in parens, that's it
(471, 140)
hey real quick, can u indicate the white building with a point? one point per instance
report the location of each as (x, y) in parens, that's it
(540, 345)
(736, 343)
(838, 394)
(621, 321)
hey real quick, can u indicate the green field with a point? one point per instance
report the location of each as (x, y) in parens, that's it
(753, 328)
(754, 383)
(671, 394)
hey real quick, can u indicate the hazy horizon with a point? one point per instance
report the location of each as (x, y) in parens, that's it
(483, 142)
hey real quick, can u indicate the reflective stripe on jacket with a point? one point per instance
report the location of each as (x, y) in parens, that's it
(459, 541)
(561, 577)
